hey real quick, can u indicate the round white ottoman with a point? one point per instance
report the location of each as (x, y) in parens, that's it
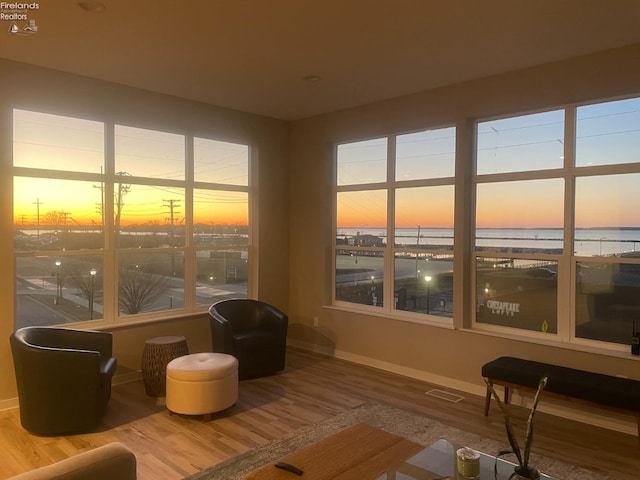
(202, 383)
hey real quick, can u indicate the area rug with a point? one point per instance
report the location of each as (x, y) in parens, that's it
(413, 427)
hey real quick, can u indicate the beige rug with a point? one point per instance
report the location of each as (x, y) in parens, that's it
(408, 425)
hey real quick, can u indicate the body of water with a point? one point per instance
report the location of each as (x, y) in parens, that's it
(588, 241)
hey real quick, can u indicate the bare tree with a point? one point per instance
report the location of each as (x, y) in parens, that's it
(138, 289)
(54, 218)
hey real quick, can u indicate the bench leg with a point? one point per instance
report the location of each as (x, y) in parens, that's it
(487, 402)
(638, 420)
(507, 395)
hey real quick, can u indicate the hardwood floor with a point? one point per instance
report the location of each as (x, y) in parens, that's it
(311, 389)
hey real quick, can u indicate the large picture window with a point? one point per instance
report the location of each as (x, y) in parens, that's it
(394, 224)
(554, 223)
(553, 231)
(158, 227)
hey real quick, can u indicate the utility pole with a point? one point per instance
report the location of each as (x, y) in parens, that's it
(100, 206)
(37, 203)
(123, 189)
(172, 205)
(64, 216)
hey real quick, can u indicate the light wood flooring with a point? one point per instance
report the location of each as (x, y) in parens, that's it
(311, 389)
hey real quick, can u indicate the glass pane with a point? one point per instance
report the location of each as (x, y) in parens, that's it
(607, 301)
(220, 218)
(58, 290)
(423, 283)
(517, 293)
(517, 144)
(147, 153)
(57, 143)
(148, 216)
(150, 282)
(361, 218)
(360, 277)
(428, 154)
(362, 162)
(608, 133)
(501, 222)
(220, 162)
(424, 217)
(221, 274)
(605, 216)
(56, 215)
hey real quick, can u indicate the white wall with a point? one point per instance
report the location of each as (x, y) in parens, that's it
(450, 356)
(25, 86)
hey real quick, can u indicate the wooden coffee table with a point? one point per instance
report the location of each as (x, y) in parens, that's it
(357, 453)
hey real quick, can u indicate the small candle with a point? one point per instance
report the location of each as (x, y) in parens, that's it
(468, 463)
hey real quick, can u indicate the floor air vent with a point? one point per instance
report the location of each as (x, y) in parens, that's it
(442, 395)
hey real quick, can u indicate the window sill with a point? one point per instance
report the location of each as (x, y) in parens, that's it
(579, 346)
(124, 322)
(614, 351)
(431, 321)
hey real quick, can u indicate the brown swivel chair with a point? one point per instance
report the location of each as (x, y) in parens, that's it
(252, 331)
(63, 378)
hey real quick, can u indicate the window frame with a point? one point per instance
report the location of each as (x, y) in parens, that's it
(110, 254)
(465, 182)
(567, 261)
(391, 185)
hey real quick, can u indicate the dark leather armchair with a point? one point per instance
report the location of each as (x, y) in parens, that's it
(63, 378)
(252, 331)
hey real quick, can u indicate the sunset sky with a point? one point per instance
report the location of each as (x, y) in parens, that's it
(75, 145)
(606, 134)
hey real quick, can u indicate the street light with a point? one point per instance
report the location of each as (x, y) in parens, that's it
(92, 272)
(427, 279)
(374, 298)
(58, 286)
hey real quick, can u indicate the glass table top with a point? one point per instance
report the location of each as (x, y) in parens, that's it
(438, 461)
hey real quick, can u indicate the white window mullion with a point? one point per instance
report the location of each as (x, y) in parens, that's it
(391, 231)
(463, 258)
(190, 252)
(566, 266)
(110, 276)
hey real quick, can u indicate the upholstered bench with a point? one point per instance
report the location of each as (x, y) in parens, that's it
(617, 394)
(202, 383)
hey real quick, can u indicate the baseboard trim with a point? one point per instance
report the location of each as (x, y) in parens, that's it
(610, 422)
(8, 404)
(126, 377)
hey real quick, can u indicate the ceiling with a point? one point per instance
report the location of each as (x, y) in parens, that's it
(253, 55)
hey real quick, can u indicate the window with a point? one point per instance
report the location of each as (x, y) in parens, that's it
(520, 144)
(394, 224)
(607, 132)
(554, 220)
(606, 226)
(519, 219)
(147, 231)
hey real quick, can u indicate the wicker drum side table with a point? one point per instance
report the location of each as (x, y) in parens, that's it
(158, 352)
